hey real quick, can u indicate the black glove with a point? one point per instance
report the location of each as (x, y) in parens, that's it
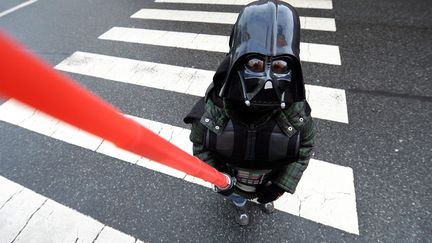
(229, 189)
(269, 193)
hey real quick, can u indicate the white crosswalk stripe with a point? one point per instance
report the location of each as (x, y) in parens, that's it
(326, 103)
(310, 52)
(321, 181)
(317, 4)
(308, 23)
(27, 216)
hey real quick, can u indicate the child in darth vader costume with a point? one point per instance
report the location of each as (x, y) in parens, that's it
(254, 123)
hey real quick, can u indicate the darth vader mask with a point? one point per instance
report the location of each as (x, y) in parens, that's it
(265, 69)
(265, 81)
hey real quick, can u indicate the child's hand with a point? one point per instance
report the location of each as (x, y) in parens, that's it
(269, 193)
(229, 189)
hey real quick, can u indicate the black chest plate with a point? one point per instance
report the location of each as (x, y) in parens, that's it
(264, 147)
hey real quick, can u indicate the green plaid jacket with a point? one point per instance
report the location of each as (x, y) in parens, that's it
(297, 116)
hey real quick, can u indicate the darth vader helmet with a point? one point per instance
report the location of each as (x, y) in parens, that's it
(265, 69)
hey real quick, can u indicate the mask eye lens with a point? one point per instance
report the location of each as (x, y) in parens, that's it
(255, 65)
(280, 66)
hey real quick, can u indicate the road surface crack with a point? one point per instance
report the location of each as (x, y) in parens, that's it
(103, 140)
(13, 195)
(28, 220)
(98, 234)
(300, 205)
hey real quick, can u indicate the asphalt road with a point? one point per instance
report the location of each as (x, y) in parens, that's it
(386, 56)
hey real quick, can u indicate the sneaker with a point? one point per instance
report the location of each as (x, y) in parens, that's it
(268, 208)
(242, 217)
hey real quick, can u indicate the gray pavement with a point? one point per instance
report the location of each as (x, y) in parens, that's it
(386, 65)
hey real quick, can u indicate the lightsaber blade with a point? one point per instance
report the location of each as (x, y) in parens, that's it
(33, 82)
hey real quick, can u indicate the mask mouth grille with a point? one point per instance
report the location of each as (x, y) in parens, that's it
(265, 95)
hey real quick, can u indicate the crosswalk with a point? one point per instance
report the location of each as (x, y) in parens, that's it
(306, 23)
(310, 52)
(315, 4)
(326, 193)
(27, 216)
(327, 103)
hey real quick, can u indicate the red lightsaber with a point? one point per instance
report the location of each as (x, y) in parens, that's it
(31, 81)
